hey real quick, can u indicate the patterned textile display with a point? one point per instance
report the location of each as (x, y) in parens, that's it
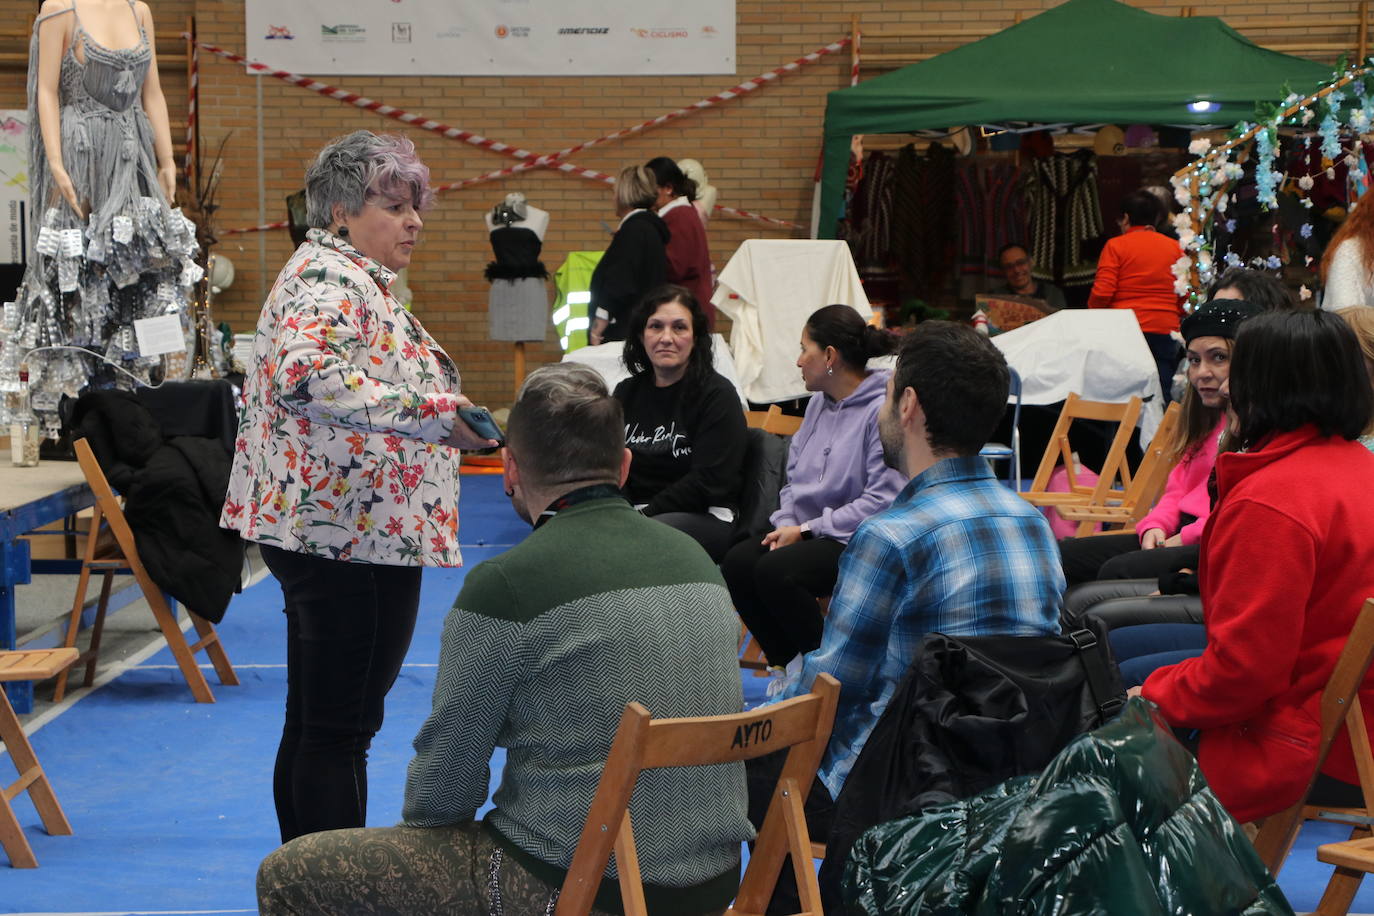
(991, 212)
(870, 213)
(132, 257)
(923, 217)
(1061, 198)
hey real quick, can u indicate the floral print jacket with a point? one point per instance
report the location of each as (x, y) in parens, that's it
(346, 402)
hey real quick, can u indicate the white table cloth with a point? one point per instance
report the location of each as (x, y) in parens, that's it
(768, 289)
(1098, 353)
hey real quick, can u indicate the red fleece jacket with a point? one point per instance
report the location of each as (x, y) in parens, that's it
(1287, 561)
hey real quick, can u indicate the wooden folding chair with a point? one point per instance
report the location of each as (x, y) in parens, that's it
(1146, 486)
(1340, 710)
(641, 743)
(751, 653)
(1058, 449)
(108, 554)
(28, 665)
(773, 420)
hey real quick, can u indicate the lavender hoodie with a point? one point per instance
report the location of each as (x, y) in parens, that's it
(835, 472)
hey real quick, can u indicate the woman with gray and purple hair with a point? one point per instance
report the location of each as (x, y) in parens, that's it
(345, 470)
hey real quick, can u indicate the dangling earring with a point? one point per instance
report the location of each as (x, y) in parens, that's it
(829, 370)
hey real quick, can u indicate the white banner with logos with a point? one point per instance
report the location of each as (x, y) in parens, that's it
(485, 38)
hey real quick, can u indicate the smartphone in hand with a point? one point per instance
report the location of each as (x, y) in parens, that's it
(480, 421)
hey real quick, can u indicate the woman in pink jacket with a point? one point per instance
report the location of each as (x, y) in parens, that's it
(1167, 538)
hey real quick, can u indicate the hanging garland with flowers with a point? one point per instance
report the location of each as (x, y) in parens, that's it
(1205, 187)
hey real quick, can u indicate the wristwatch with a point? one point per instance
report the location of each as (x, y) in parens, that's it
(806, 534)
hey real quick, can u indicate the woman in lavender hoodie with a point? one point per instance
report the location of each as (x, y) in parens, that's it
(835, 479)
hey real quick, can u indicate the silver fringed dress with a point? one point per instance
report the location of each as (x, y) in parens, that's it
(86, 282)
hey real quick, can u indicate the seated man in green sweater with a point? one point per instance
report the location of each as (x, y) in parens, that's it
(544, 646)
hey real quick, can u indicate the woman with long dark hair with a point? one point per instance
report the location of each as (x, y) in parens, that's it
(836, 478)
(1166, 538)
(1287, 561)
(689, 257)
(683, 421)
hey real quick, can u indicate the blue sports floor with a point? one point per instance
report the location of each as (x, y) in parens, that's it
(171, 801)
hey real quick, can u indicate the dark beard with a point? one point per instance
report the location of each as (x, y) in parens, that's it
(892, 450)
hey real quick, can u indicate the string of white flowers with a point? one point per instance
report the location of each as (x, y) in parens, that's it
(1202, 187)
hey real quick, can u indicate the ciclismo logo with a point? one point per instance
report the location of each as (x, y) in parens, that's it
(661, 33)
(279, 32)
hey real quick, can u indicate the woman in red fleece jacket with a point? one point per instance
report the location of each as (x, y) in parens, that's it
(1287, 560)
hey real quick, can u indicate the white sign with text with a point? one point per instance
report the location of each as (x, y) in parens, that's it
(485, 38)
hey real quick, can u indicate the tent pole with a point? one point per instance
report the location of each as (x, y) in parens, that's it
(1362, 42)
(854, 50)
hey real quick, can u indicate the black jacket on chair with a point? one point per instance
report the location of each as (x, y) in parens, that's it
(970, 713)
(173, 490)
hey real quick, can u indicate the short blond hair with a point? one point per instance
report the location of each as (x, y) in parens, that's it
(1361, 321)
(635, 188)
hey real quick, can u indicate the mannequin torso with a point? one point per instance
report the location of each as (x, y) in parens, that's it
(115, 27)
(536, 220)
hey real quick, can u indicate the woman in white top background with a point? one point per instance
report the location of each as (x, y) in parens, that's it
(1347, 269)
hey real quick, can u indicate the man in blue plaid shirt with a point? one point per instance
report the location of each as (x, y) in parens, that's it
(956, 552)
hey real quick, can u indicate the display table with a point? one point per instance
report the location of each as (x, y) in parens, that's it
(1098, 353)
(768, 289)
(31, 498)
(608, 360)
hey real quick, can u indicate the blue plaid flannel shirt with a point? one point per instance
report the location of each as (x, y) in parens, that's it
(956, 553)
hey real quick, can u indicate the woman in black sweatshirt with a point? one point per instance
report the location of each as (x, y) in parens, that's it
(683, 421)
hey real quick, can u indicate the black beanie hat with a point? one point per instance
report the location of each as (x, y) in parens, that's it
(1218, 318)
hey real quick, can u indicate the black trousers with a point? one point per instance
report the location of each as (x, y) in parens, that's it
(348, 626)
(1118, 556)
(775, 592)
(711, 533)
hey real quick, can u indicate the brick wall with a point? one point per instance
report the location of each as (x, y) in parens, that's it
(759, 151)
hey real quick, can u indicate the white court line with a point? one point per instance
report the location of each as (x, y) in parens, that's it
(134, 913)
(209, 667)
(148, 651)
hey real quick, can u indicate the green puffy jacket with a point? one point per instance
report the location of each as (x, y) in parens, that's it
(1120, 823)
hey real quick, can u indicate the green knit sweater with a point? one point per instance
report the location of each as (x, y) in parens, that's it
(543, 648)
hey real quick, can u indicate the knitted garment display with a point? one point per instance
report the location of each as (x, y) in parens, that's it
(1061, 197)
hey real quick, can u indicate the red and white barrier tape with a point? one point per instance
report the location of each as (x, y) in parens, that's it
(363, 102)
(265, 227)
(532, 160)
(734, 92)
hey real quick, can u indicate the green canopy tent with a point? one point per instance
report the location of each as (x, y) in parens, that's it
(1082, 62)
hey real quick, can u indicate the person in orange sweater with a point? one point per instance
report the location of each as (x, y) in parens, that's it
(1287, 561)
(1135, 272)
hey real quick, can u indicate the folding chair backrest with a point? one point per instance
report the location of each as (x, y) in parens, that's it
(772, 420)
(801, 724)
(1058, 450)
(1146, 484)
(1153, 471)
(109, 507)
(1340, 708)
